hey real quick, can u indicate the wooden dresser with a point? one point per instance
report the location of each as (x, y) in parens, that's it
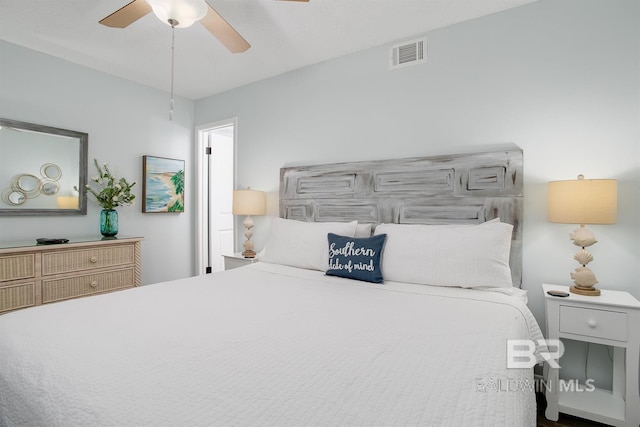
(32, 274)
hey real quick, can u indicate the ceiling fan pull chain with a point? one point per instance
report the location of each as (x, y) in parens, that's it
(173, 36)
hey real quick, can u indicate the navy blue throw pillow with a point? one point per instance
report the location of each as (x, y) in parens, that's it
(357, 258)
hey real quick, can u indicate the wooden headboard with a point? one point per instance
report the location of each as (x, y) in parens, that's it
(449, 189)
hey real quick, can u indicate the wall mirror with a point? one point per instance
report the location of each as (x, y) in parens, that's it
(43, 170)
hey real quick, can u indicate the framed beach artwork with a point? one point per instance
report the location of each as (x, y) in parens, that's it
(162, 185)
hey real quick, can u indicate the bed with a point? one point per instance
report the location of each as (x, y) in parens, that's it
(294, 340)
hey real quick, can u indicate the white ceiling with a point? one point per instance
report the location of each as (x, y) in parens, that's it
(284, 36)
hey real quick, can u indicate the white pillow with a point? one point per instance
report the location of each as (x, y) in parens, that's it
(303, 244)
(474, 256)
(363, 230)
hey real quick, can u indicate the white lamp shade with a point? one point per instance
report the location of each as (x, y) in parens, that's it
(249, 202)
(582, 201)
(185, 12)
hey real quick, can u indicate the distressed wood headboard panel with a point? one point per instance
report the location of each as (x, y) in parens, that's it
(450, 189)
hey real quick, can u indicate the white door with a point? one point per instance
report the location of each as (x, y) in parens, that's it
(221, 195)
(215, 180)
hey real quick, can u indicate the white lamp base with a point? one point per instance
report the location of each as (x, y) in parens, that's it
(590, 292)
(248, 244)
(583, 278)
(249, 254)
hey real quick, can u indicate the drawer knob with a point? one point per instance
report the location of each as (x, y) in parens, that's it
(592, 323)
(94, 284)
(93, 259)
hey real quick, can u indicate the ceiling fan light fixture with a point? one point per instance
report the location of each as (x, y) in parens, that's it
(179, 13)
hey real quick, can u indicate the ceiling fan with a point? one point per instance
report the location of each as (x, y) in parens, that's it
(181, 14)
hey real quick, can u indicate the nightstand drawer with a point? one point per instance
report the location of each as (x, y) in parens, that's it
(86, 259)
(605, 324)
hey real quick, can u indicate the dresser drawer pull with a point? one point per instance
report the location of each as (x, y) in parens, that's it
(93, 259)
(592, 323)
(94, 284)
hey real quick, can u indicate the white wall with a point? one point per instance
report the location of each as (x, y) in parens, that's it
(124, 121)
(560, 78)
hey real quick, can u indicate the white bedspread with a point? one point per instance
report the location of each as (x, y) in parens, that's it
(267, 345)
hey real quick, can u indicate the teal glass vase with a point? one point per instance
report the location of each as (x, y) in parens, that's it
(109, 222)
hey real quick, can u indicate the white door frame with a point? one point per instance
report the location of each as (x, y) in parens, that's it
(202, 187)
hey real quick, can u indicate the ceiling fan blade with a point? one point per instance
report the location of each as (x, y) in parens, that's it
(224, 32)
(127, 14)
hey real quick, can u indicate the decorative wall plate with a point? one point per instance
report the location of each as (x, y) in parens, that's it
(50, 188)
(28, 184)
(51, 171)
(13, 197)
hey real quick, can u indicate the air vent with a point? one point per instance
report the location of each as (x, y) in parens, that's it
(408, 53)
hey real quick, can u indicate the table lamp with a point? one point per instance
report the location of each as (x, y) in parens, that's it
(583, 201)
(249, 202)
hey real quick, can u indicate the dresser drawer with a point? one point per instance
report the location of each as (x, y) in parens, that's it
(18, 295)
(71, 287)
(605, 324)
(85, 259)
(14, 267)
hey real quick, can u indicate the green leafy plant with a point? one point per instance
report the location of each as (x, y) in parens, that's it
(178, 183)
(109, 191)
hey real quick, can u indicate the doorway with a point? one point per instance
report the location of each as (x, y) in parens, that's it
(216, 179)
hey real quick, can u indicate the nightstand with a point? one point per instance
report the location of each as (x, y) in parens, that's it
(613, 319)
(237, 260)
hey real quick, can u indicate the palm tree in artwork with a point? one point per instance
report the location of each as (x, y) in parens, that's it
(178, 183)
